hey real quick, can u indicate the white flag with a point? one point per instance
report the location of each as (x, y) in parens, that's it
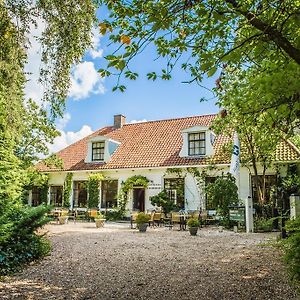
(235, 157)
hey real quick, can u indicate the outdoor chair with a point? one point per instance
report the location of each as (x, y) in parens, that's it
(175, 218)
(151, 221)
(72, 215)
(92, 214)
(133, 219)
(203, 217)
(157, 219)
(80, 214)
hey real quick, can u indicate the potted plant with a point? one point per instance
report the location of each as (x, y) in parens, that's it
(99, 220)
(63, 218)
(142, 221)
(193, 224)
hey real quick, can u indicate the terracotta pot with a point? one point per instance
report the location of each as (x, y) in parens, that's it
(63, 220)
(99, 222)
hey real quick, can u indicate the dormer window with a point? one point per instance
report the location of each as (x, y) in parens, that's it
(196, 143)
(98, 151)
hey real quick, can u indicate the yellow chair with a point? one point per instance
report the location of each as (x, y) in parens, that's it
(133, 218)
(175, 218)
(157, 218)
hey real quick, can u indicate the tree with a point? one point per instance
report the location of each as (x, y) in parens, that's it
(163, 200)
(259, 37)
(25, 128)
(222, 193)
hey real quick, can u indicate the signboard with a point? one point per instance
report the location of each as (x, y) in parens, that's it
(237, 214)
(154, 186)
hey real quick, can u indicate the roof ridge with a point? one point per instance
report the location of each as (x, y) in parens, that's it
(293, 146)
(172, 119)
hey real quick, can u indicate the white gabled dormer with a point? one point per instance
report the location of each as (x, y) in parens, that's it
(197, 142)
(100, 149)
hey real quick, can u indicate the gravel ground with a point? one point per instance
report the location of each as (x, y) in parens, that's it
(116, 262)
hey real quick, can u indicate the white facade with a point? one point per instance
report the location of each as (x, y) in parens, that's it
(193, 193)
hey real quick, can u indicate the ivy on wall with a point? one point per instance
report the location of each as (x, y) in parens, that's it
(67, 190)
(93, 187)
(127, 185)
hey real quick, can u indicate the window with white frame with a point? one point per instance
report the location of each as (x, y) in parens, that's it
(98, 151)
(175, 190)
(196, 143)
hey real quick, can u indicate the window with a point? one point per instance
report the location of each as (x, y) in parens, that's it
(175, 190)
(80, 194)
(197, 143)
(109, 192)
(36, 196)
(98, 151)
(56, 196)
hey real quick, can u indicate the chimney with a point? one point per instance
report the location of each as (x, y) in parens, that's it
(119, 121)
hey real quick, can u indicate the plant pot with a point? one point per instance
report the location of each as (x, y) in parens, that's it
(193, 230)
(63, 220)
(143, 227)
(99, 222)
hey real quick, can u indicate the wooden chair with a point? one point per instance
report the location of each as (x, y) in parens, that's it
(92, 214)
(133, 219)
(203, 217)
(157, 217)
(175, 218)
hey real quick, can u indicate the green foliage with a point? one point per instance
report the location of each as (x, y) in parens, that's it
(263, 224)
(162, 200)
(115, 214)
(193, 222)
(291, 183)
(93, 186)
(67, 190)
(129, 184)
(260, 40)
(19, 243)
(142, 218)
(291, 247)
(223, 193)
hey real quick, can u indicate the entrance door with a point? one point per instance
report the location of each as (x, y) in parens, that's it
(139, 199)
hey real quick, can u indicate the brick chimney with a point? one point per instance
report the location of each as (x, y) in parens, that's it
(119, 121)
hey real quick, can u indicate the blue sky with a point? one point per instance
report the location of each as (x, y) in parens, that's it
(92, 104)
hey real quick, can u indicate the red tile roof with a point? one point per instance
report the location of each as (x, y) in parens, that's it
(153, 144)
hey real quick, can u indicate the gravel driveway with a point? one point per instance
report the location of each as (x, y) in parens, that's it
(116, 262)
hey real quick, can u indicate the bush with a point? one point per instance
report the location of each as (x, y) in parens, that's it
(142, 218)
(193, 222)
(115, 214)
(263, 224)
(162, 200)
(291, 247)
(19, 243)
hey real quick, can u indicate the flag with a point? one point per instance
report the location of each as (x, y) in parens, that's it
(235, 157)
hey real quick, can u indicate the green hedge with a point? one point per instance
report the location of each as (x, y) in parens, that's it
(19, 243)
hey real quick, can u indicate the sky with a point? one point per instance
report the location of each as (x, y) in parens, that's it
(91, 104)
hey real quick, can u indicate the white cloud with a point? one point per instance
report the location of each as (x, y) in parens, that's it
(85, 80)
(67, 138)
(61, 123)
(96, 51)
(137, 121)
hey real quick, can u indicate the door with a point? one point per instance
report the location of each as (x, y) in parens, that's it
(139, 199)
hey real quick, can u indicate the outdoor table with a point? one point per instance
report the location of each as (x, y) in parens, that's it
(183, 218)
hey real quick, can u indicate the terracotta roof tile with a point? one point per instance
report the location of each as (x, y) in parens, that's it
(153, 144)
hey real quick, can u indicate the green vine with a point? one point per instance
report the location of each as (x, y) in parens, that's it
(67, 190)
(93, 189)
(126, 186)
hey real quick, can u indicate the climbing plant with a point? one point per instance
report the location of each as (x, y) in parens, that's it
(127, 185)
(67, 190)
(93, 189)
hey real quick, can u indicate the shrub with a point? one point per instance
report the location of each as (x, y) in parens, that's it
(263, 224)
(19, 243)
(162, 200)
(291, 247)
(193, 222)
(142, 218)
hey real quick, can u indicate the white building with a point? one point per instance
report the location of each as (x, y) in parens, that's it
(155, 150)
